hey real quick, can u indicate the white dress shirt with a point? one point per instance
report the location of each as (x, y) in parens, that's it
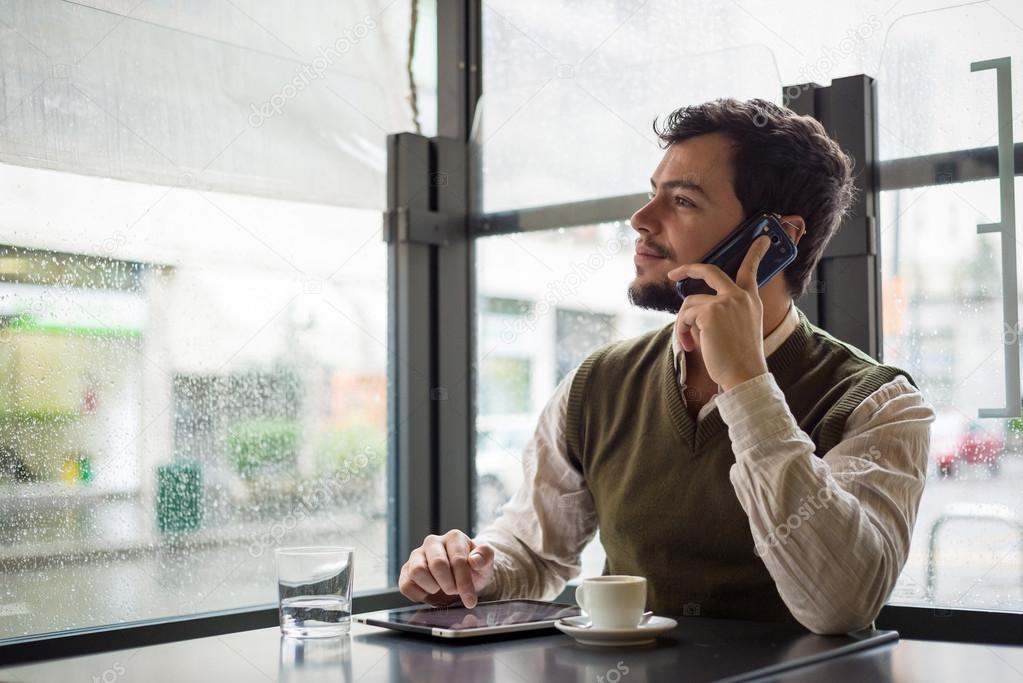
(833, 532)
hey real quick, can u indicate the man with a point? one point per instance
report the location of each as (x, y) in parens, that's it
(746, 462)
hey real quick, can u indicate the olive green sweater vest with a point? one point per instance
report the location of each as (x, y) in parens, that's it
(666, 508)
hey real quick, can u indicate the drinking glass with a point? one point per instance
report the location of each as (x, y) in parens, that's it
(315, 589)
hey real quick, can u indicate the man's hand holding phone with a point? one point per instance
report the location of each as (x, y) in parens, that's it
(446, 569)
(726, 326)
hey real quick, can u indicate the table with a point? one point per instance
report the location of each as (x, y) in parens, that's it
(700, 649)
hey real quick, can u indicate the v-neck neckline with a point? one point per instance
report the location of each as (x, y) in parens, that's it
(694, 433)
(697, 433)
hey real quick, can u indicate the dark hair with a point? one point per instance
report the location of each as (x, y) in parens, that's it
(782, 162)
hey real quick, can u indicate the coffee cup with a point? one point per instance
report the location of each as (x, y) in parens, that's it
(615, 601)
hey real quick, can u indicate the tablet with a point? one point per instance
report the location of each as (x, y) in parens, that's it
(486, 618)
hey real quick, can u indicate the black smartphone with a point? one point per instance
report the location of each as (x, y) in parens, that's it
(729, 252)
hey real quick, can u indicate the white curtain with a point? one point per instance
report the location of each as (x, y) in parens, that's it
(284, 100)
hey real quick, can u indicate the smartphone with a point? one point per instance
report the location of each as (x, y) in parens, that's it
(729, 252)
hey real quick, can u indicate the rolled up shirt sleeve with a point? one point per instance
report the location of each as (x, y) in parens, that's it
(541, 532)
(834, 532)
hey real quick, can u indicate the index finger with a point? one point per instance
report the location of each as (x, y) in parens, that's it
(458, 554)
(747, 275)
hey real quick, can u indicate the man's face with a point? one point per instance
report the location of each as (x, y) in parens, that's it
(692, 207)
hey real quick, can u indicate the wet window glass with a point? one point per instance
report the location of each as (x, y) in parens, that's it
(193, 300)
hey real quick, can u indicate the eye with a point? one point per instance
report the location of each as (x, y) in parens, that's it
(682, 201)
(650, 194)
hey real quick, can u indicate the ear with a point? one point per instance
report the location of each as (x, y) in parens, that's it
(794, 226)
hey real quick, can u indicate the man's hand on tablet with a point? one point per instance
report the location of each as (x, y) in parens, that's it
(447, 568)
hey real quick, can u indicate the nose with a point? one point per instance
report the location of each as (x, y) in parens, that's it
(643, 219)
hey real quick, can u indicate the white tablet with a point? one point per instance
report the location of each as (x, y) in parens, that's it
(486, 618)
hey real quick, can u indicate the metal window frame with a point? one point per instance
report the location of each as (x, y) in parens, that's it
(959, 166)
(432, 285)
(431, 303)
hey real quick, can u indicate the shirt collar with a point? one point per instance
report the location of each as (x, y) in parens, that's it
(771, 342)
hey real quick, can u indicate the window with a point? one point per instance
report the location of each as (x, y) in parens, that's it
(942, 294)
(505, 385)
(193, 301)
(566, 119)
(505, 374)
(937, 270)
(578, 332)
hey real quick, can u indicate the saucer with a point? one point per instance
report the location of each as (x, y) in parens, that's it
(646, 632)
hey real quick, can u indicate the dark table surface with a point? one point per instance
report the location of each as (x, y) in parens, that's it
(699, 649)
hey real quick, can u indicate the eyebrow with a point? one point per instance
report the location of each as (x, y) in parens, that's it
(684, 185)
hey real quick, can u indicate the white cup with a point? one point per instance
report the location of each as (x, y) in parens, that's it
(613, 601)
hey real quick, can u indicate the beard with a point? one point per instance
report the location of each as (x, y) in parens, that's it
(657, 296)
